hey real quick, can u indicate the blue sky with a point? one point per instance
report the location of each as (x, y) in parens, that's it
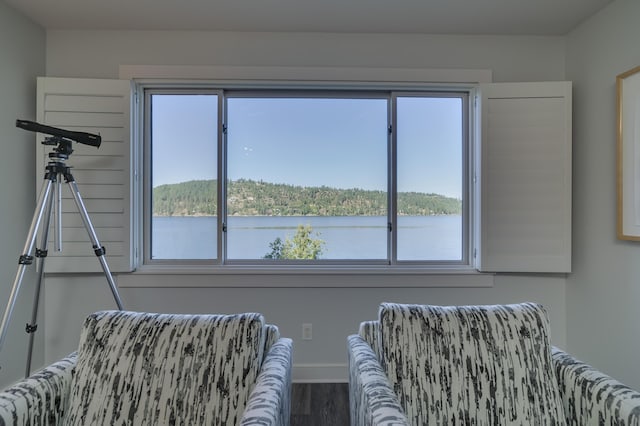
(339, 143)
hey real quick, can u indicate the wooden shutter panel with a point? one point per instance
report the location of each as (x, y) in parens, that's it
(525, 178)
(103, 175)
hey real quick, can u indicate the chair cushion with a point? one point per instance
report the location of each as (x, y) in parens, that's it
(471, 364)
(158, 369)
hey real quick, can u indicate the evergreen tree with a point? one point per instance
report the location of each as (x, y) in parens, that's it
(301, 246)
(276, 247)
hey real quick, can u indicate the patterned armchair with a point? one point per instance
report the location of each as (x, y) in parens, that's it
(421, 364)
(157, 369)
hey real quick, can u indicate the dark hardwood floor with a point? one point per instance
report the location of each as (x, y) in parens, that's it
(320, 404)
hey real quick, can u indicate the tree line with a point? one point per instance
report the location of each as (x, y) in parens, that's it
(247, 197)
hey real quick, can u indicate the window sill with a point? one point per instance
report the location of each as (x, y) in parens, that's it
(270, 277)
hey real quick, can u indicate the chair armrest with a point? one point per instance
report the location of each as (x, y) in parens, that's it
(270, 400)
(592, 397)
(371, 397)
(370, 333)
(40, 399)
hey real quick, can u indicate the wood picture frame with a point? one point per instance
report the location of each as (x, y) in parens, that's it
(628, 154)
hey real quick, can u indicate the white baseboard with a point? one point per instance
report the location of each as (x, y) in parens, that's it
(320, 373)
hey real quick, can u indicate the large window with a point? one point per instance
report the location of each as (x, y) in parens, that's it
(297, 177)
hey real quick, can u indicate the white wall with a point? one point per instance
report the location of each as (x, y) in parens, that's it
(603, 293)
(22, 58)
(100, 53)
(334, 312)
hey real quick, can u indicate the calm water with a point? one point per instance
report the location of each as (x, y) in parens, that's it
(419, 237)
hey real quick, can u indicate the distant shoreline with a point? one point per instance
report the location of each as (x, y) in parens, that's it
(252, 198)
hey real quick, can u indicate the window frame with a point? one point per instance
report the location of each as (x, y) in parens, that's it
(466, 161)
(319, 94)
(147, 170)
(383, 90)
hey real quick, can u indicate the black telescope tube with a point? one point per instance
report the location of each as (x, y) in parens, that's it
(80, 137)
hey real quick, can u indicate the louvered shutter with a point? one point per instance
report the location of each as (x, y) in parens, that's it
(525, 178)
(103, 175)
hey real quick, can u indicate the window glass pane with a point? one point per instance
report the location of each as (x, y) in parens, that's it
(307, 178)
(184, 132)
(429, 176)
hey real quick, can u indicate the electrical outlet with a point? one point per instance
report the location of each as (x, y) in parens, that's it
(307, 331)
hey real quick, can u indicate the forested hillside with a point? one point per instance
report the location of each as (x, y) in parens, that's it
(248, 197)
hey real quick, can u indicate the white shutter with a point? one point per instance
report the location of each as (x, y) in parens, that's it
(525, 178)
(103, 174)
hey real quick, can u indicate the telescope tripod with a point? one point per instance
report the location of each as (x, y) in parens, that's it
(49, 201)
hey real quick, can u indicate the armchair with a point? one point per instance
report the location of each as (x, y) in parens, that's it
(141, 368)
(421, 364)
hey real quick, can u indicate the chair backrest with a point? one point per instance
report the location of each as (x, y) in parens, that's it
(486, 364)
(142, 368)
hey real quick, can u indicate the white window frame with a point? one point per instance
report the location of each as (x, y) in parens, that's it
(355, 89)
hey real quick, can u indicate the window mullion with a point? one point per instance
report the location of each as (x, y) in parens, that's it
(222, 178)
(393, 185)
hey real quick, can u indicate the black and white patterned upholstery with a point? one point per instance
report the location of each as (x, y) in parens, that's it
(41, 399)
(156, 369)
(483, 365)
(593, 397)
(372, 400)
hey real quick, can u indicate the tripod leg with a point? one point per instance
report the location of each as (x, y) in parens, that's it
(97, 247)
(57, 214)
(41, 254)
(26, 258)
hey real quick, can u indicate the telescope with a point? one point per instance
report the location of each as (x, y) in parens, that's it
(80, 137)
(50, 204)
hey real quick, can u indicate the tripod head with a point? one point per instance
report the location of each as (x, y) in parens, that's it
(60, 152)
(60, 135)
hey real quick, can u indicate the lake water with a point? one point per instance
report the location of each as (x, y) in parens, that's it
(345, 237)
